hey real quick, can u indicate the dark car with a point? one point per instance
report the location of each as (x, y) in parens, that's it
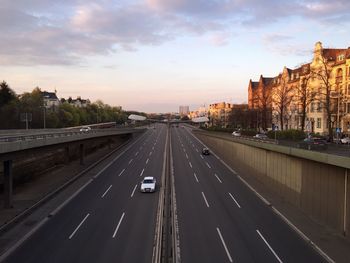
(205, 151)
(313, 143)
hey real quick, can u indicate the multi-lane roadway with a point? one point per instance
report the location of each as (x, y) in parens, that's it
(219, 218)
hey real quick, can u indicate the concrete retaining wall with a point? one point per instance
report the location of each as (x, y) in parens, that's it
(319, 188)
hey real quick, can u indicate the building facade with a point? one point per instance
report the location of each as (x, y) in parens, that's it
(219, 114)
(310, 97)
(184, 110)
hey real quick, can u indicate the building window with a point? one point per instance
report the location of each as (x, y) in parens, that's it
(348, 89)
(319, 107)
(318, 123)
(341, 57)
(312, 107)
(348, 108)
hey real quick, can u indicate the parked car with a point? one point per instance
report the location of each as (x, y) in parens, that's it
(148, 185)
(236, 133)
(261, 136)
(85, 129)
(205, 151)
(345, 140)
(313, 143)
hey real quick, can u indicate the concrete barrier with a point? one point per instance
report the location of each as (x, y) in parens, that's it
(315, 182)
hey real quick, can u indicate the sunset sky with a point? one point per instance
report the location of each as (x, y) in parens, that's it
(154, 55)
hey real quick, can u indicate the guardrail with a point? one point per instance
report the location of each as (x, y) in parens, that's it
(42, 136)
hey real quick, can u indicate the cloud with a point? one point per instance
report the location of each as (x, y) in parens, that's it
(66, 32)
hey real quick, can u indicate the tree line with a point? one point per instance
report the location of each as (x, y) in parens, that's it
(14, 106)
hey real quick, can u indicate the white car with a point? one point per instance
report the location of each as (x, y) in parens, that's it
(345, 140)
(236, 134)
(85, 129)
(148, 185)
(261, 136)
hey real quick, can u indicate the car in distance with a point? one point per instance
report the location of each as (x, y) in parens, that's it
(236, 134)
(261, 136)
(313, 143)
(85, 129)
(148, 185)
(205, 151)
(345, 140)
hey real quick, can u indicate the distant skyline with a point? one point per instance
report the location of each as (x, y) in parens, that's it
(155, 55)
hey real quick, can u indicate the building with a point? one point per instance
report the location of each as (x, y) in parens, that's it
(309, 97)
(219, 114)
(79, 102)
(50, 99)
(200, 112)
(184, 110)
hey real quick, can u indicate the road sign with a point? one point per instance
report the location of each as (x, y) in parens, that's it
(338, 130)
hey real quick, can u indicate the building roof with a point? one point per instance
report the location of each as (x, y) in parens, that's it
(49, 95)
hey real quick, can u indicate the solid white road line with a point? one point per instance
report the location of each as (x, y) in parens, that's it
(116, 229)
(201, 156)
(205, 199)
(106, 191)
(136, 153)
(234, 200)
(268, 245)
(190, 164)
(224, 244)
(195, 176)
(142, 171)
(147, 160)
(76, 229)
(121, 172)
(207, 164)
(217, 177)
(131, 161)
(133, 191)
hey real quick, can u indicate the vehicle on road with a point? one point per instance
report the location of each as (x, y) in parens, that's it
(85, 129)
(148, 185)
(261, 136)
(345, 140)
(236, 133)
(205, 151)
(313, 143)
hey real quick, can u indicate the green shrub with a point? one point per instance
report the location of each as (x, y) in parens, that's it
(292, 135)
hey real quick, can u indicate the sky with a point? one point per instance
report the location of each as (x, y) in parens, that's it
(154, 55)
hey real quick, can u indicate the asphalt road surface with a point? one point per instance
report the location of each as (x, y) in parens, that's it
(110, 220)
(219, 218)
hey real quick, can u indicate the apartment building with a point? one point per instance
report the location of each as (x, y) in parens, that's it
(320, 88)
(219, 114)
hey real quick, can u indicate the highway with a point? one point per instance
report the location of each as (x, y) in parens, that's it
(109, 220)
(219, 218)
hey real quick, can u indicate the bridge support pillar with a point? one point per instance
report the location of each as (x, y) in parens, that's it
(82, 153)
(66, 157)
(8, 184)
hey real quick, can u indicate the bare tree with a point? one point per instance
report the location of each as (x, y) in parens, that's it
(282, 97)
(305, 97)
(264, 101)
(323, 73)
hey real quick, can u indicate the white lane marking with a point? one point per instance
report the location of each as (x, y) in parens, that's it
(133, 191)
(197, 150)
(182, 145)
(116, 229)
(147, 160)
(150, 153)
(190, 164)
(106, 191)
(205, 199)
(153, 148)
(184, 149)
(186, 156)
(268, 245)
(217, 177)
(142, 171)
(224, 244)
(234, 200)
(121, 172)
(207, 164)
(201, 156)
(131, 161)
(76, 229)
(136, 153)
(195, 176)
